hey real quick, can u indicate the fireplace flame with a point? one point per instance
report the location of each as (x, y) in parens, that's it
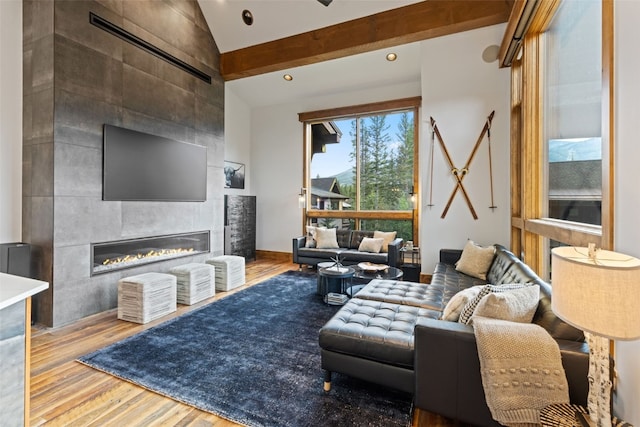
(151, 254)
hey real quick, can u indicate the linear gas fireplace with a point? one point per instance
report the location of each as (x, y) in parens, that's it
(117, 255)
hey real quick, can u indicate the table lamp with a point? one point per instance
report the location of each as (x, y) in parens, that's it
(597, 291)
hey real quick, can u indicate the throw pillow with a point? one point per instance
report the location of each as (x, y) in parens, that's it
(475, 260)
(457, 302)
(370, 244)
(516, 305)
(470, 307)
(356, 238)
(387, 236)
(311, 236)
(326, 238)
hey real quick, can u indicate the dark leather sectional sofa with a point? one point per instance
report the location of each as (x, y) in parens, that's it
(390, 334)
(349, 241)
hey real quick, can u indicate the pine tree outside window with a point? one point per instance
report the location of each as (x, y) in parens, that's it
(362, 170)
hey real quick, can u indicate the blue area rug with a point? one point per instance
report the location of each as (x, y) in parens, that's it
(253, 358)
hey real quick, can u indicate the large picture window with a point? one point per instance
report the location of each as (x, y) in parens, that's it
(573, 113)
(362, 168)
(562, 136)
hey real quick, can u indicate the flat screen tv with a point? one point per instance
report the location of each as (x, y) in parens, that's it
(143, 167)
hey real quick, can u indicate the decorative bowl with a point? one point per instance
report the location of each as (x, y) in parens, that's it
(371, 267)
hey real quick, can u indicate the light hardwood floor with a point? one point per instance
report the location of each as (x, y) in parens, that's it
(67, 393)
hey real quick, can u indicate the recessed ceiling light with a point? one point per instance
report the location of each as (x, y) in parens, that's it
(247, 17)
(391, 56)
(288, 77)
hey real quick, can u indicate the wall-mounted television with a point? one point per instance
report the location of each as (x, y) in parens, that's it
(138, 166)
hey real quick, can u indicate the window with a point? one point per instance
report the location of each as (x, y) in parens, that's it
(561, 140)
(362, 168)
(573, 113)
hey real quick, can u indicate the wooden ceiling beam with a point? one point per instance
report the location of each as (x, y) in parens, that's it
(415, 22)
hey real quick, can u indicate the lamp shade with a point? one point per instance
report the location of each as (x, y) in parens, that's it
(598, 294)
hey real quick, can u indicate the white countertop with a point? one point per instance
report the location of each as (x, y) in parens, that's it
(15, 288)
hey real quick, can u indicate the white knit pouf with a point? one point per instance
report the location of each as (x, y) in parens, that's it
(229, 271)
(146, 297)
(195, 282)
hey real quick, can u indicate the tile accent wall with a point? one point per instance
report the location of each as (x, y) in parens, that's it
(78, 77)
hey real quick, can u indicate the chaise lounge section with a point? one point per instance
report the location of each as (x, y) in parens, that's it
(391, 334)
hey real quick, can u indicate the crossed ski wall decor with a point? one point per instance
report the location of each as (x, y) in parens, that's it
(460, 173)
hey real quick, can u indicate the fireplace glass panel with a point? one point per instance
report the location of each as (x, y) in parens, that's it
(117, 255)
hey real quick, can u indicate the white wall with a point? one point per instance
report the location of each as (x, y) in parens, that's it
(627, 195)
(11, 121)
(459, 90)
(237, 137)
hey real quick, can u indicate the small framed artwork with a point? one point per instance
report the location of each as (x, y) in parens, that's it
(233, 175)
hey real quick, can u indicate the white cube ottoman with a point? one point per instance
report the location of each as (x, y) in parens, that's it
(146, 297)
(229, 271)
(195, 282)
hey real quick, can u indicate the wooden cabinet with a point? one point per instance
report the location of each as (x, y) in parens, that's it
(240, 226)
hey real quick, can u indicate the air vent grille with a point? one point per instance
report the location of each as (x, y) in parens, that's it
(146, 46)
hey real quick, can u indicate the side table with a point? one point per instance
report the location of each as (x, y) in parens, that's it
(564, 415)
(341, 275)
(410, 263)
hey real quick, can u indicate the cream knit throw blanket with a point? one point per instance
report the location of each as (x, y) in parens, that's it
(521, 370)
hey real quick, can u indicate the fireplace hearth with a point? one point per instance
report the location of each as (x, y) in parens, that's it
(117, 255)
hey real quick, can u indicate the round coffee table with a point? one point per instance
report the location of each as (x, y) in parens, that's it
(390, 273)
(342, 275)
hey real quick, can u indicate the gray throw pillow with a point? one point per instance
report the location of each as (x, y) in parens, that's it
(516, 305)
(457, 302)
(475, 260)
(369, 244)
(311, 236)
(470, 307)
(326, 238)
(388, 236)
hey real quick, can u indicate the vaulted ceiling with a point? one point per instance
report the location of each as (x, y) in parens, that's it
(278, 19)
(341, 42)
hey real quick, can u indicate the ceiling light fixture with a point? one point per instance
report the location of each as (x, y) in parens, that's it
(247, 17)
(391, 56)
(288, 77)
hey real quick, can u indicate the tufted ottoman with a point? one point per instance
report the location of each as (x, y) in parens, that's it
(406, 293)
(146, 297)
(369, 338)
(195, 282)
(229, 271)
